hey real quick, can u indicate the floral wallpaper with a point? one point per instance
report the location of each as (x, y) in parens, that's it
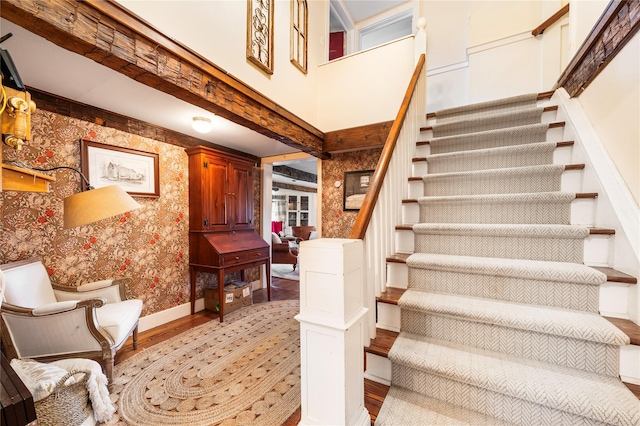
(337, 223)
(149, 244)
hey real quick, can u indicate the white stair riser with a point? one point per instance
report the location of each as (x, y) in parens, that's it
(378, 369)
(630, 364)
(582, 212)
(596, 247)
(419, 168)
(397, 275)
(410, 213)
(422, 150)
(614, 300)
(549, 117)
(416, 189)
(388, 316)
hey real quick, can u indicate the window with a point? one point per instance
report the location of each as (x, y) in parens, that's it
(299, 22)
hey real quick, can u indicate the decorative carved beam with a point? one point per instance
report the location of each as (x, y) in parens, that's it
(357, 138)
(292, 173)
(618, 24)
(300, 188)
(110, 35)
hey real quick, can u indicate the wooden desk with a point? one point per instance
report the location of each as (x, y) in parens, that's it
(17, 406)
(226, 251)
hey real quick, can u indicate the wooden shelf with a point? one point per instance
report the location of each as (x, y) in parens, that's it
(20, 179)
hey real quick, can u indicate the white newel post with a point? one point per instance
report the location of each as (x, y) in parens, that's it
(332, 320)
(421, 38)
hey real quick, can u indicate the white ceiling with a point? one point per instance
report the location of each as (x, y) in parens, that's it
(47, 67)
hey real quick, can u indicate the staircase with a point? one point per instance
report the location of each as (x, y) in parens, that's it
(497, 314)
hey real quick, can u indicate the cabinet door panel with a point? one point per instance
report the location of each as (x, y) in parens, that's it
(216, 194)
(242, 186)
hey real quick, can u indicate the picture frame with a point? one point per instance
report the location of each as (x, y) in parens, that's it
(137, 172)
(356, 185)
(260, 34)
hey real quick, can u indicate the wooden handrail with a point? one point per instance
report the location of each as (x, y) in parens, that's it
(366, 210)
(551, 20)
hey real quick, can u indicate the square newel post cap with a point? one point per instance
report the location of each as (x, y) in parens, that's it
(331, 281)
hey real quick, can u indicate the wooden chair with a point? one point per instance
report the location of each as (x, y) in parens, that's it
(47, 322)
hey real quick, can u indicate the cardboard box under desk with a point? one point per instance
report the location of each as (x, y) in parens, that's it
(236, 295)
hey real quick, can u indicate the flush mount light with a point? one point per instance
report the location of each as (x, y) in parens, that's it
(201, 124)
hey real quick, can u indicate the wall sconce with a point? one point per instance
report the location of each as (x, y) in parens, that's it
(16, 117)
(201, 124)
(93, 204)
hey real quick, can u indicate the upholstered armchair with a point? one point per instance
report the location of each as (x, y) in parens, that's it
(282, 252)
(302, 233)
(47, 322)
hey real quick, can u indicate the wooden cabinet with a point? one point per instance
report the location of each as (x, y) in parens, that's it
(221, 234)
(220, 191)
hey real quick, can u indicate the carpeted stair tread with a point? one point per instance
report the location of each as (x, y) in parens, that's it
(586, 394)
(483, 108)
(403, 407)
(540, 208)
(533, 154)
(542, 178)
(500, 267)
(498, 120)
(555, 197)
(503, 230)
(540, 319)
(519, 135)
(505, 173)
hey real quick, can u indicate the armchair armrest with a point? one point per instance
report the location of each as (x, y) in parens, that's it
(68, 327)
(112, 290)
(280, 247)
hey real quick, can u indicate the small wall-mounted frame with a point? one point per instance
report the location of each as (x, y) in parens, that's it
(356, 185)
(260, 34)
(137, 172)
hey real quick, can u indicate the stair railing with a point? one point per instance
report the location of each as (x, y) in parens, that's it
(381, 209)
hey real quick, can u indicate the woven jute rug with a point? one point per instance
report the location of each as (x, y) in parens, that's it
(245, 370)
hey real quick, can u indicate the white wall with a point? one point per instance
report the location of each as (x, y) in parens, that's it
(365, 87)
(483, 50)
(221, 38)
(612, 103)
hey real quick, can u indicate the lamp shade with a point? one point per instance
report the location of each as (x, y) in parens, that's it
(96, 204)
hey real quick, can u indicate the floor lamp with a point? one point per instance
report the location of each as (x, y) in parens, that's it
(93, 204)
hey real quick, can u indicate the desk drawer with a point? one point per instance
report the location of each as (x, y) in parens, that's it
(234, 258)
(258, 254)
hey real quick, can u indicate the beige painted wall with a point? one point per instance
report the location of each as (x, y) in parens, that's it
(612, 103)
(221, 37)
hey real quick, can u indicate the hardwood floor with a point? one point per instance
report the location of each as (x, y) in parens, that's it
(281, 289)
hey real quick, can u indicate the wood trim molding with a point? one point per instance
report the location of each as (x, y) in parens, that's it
(369, 136)
(366, 210)
(109, 34)
(617, 25)
(551, 20)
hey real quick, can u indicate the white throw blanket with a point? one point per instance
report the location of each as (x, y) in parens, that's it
(41, 380)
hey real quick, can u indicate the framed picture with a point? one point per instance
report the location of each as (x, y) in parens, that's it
(137, 172)
(260, 34)
(356, 185)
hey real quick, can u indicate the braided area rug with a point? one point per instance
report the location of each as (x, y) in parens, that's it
(245, 370)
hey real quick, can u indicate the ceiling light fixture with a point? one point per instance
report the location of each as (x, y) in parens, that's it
(201, 124)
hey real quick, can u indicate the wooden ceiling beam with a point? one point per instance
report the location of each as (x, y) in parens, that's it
(110, 35)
